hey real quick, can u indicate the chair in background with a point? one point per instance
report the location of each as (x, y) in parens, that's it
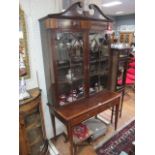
(130, 77)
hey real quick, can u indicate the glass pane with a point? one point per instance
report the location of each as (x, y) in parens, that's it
(70, 67)
(99, 62)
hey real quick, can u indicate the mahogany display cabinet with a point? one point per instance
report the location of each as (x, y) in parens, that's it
(77, 65)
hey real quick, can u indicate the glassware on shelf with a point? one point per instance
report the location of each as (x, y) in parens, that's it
(96, 87)
(62, 100)
(80, 91)
(70, 76)
(91, 90)
(72, 96)
(120, 45)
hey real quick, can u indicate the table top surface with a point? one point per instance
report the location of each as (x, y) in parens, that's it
(34, 93)
(85, 105)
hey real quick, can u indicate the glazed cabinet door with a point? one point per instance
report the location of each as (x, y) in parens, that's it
(98, 62)
(69, 67)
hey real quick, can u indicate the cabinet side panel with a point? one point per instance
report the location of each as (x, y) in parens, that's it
(47, 59)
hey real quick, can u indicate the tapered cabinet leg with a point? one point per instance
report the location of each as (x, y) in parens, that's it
(116, 115)
(112, 114)
(66, 138)
(122, 99)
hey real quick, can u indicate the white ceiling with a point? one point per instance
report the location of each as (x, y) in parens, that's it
(127, 6)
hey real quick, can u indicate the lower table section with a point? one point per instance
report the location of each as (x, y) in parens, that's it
(74, 114)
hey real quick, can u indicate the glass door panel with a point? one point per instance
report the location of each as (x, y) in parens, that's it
(69, 58)
(98, 62)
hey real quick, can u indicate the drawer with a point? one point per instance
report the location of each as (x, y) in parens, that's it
(83, 117)
(105, 106)
(66, 23)
(61, 23)
(108, 105)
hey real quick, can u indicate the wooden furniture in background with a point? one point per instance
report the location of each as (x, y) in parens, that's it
(31, 128)
(119, 66)
(127, 37)
(76, 58)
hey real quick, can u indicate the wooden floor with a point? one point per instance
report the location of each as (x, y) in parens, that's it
(128, 114)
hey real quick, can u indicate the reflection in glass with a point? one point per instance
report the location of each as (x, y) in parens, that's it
(99, 55)
(69, 58)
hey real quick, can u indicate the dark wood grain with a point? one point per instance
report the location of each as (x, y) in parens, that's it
(93, 102)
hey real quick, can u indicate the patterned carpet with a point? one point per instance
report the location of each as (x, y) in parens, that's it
(122, 141)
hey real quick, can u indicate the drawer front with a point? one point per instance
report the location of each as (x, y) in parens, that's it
(94, 112)
(66, 23)
(83, 117)
(108, 105)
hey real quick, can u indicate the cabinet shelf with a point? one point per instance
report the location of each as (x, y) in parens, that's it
(99, 60)
(99, 73)
(63, 67)
(70, 66)
(81, 64)
(65, 81)
(123, 58)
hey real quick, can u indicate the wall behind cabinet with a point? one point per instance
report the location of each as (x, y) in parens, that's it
(124, 20)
